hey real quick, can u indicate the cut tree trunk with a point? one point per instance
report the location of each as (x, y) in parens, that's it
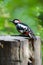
(16, 50)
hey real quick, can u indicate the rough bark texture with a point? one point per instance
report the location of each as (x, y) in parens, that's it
(37, 52)
(17, 51)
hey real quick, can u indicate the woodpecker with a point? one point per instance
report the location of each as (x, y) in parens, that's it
(24, 29)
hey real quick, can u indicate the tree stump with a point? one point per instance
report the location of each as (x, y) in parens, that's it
(15, 50)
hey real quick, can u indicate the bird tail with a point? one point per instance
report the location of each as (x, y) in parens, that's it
(32, 36)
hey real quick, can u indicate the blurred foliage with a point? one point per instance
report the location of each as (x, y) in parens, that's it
(28, 11)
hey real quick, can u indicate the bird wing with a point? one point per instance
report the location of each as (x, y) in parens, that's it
(22, 28)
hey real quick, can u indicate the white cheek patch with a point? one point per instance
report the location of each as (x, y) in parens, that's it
(16, 21)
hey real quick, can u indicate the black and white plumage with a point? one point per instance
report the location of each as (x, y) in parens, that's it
(24, 29)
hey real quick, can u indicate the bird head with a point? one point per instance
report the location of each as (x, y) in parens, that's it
(15, 21)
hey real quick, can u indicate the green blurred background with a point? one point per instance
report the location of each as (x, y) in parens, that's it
(28, 11)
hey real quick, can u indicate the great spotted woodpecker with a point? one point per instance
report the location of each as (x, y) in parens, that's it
(23, 29)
